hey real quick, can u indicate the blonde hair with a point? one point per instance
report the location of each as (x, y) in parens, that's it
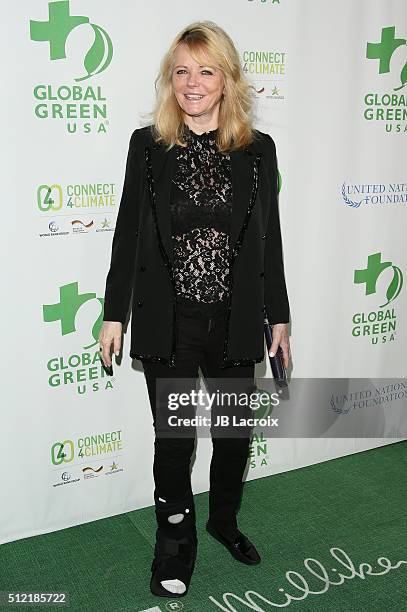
(204, 40)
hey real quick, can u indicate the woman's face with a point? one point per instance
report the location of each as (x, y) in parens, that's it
(198, 89)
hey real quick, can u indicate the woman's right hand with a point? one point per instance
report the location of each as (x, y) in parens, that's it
(111, 333)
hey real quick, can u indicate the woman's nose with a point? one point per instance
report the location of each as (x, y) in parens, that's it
(193, 80)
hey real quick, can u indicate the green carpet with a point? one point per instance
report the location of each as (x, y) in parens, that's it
(355, 504)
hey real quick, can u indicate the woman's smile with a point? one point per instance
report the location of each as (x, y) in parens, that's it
(193, 97)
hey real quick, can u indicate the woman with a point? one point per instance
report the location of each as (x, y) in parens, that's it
(198, 241)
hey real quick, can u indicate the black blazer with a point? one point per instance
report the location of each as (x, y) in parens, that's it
(142, 258)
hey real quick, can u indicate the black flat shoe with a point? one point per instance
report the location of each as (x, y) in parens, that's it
(241, 549)
(173, 559)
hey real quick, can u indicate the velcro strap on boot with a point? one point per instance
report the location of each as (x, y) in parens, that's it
(166, 546)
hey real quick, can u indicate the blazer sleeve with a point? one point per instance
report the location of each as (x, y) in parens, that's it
(276, 298)
(119, 279)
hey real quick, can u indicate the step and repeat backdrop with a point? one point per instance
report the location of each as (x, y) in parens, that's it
(329, 82)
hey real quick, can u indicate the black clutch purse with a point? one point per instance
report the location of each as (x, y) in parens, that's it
(276, 362)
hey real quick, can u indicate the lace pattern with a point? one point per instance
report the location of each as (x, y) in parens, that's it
(201, 206)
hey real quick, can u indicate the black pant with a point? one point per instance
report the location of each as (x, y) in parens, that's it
(200, 344)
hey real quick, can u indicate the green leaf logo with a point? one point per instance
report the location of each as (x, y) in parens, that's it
(403, 78)
(56, 30)
(99, 55)
(97, 326)
(395, 286)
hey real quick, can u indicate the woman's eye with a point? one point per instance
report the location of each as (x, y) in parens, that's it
(183, 71)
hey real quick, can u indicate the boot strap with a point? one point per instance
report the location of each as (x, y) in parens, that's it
(166, 546)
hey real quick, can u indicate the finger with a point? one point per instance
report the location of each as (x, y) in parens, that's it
(106, 353)
(102, 357)
(116, 344)
(274, 346)
(288, 350)
(285, 356)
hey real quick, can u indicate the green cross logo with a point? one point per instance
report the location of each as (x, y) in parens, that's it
(70, 301)
(371, 273)
(383, 51)
(56, 30)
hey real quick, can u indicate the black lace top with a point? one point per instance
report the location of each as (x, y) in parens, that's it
(201, 206)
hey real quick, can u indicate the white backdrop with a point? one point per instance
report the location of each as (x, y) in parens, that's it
(77, 445)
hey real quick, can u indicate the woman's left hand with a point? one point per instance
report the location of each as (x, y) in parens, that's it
(280, 338)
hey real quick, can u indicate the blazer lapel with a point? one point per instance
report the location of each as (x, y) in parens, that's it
(244, 166)
(244, 171)
(160, 166)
